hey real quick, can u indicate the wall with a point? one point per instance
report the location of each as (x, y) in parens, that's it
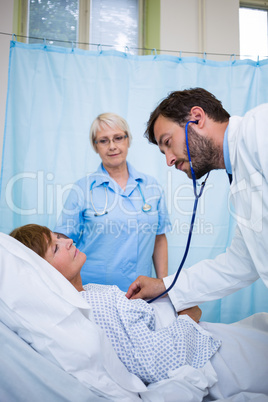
(185, 25)
(210, 26)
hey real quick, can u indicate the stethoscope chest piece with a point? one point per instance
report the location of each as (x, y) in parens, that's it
(100, 213)
(146, 207)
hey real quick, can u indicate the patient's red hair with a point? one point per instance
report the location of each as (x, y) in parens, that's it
(35, 237)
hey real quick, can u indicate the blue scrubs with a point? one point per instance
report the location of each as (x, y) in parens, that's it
(119, 245)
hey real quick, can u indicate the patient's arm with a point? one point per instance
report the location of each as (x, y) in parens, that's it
(193, 312)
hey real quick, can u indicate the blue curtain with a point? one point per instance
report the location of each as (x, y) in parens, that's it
(53, 96)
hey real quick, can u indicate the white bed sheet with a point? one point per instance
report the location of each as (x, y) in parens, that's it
(26, 376)
(241, 363)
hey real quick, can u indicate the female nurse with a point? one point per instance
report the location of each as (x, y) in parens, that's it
(116, 216)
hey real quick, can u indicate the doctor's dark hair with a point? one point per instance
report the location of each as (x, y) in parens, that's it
(36, 237)
(177, 107)
(111, 120)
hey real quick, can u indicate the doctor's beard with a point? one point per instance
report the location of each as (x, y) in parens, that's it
(205, 155)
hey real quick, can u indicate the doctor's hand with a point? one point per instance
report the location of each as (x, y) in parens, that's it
(145, 288)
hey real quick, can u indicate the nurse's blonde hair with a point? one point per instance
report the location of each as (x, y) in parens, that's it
(111, 120)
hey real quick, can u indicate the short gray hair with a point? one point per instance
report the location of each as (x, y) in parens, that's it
(113, 121)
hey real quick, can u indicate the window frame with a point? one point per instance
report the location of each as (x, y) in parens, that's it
(255, 5)
(21, 13)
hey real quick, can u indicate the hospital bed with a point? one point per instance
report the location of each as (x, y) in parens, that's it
(51, 350)
(25, 375)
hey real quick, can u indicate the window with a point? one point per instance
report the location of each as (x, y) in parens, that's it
(116, 23)
(253, 21)
(53, 20)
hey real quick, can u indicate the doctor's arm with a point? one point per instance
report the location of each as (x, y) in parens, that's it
(204, 281)
(213, 279)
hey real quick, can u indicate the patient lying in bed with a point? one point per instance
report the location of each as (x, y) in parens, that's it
(148, 346)
(130, 325)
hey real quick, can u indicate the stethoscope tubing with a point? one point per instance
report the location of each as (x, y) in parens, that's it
(197, 196)
(98, 213)
(184, 256)
(145, 208)
(190, 162)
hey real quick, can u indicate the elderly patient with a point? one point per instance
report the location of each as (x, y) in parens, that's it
(146, 347)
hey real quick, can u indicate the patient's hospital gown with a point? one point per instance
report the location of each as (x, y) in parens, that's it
(148, 352)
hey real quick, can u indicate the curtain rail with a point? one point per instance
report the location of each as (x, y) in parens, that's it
(127, 47)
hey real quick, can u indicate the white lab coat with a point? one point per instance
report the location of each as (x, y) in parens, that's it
(247, 258)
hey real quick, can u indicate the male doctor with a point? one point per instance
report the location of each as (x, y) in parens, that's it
(216, 141)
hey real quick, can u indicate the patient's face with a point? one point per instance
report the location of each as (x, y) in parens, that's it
(65, 257)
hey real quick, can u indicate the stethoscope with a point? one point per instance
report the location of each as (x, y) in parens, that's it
(145, 208)
(197, 196)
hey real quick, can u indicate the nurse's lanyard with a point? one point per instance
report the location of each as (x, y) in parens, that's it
(197, 196)
(146, 207)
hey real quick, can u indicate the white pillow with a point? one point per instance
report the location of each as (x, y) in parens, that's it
(45, 310)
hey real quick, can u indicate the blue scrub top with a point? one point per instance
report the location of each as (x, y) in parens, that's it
(119, 245)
